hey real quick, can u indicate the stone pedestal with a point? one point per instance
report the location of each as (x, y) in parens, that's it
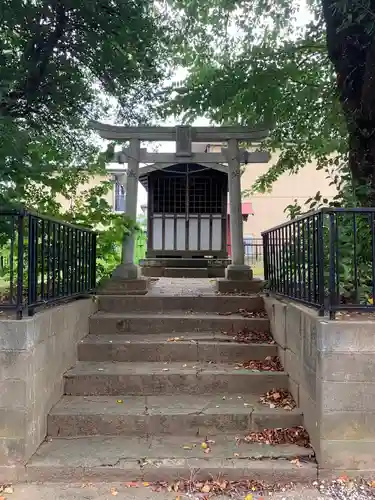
(238, 273)
(247, 286)
(126, 271)
(122, 286)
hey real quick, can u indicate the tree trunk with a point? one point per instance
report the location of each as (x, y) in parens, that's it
(362, 166)
(351, 49)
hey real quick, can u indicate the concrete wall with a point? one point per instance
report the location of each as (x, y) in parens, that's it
(269, 207)
(34, 354)
(331, 367)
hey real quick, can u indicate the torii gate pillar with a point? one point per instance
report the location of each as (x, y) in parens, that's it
(127, 270)
(238, 276)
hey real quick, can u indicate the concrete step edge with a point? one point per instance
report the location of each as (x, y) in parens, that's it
(99, 369)
(116, 339)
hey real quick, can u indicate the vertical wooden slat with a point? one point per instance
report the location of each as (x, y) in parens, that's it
(163, 230)
(210, 243)
(199, 231)
(175, 232)
(187, 238)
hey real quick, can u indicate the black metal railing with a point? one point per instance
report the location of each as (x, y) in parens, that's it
(325, 259)
(43, 260)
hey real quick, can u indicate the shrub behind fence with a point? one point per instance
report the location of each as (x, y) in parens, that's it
(324, 259)
(43, 260)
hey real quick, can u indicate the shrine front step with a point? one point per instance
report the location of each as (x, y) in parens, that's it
(184, 262)
(186, 272)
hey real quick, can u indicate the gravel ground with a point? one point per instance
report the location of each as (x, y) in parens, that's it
(195, 287)
(335, 490)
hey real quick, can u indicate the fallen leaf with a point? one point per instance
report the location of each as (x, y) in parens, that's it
(249, 497)
(206, 488)
(288, 435)
(270, 363)
(146, 484)
(187, 447)
(278, 398)
(119, 401)
(247, 336)
(114, 492)
(372, 484)
(204, 445)
(344, 478)
(296, 462)
(131, 484)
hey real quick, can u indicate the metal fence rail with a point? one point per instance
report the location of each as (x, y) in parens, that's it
(43, 260)
(253, 254)
(325, 259)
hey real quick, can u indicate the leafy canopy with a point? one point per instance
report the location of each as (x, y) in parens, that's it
(254, 62)
(62, 63)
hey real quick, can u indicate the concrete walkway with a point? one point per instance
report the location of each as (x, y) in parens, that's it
(193, 287)
(105, 491)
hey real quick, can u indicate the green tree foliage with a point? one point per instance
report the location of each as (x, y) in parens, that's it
(254, 62)
(259, 65)
(62, 63)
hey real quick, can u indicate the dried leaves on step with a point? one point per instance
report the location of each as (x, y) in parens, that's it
(247, 336)
(270, 363)
(245, 313)
(212, 488)
(288, 435)
(278, 398)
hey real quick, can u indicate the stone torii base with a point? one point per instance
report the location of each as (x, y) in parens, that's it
(230, 286)
(124, 286)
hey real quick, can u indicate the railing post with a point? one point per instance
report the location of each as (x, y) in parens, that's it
(32, 263)
(333, 265)
(20, 267)
(320, 264)
(265, 256)
(93, 261)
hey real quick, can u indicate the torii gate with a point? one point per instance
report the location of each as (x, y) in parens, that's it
(229, 160)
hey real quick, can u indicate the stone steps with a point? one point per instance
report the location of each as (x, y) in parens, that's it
(188, 347)
(158, 375)
(159, 415)
(186, 272)
(103, 323)
(119, 378)
(161, 304)
(165, 458)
